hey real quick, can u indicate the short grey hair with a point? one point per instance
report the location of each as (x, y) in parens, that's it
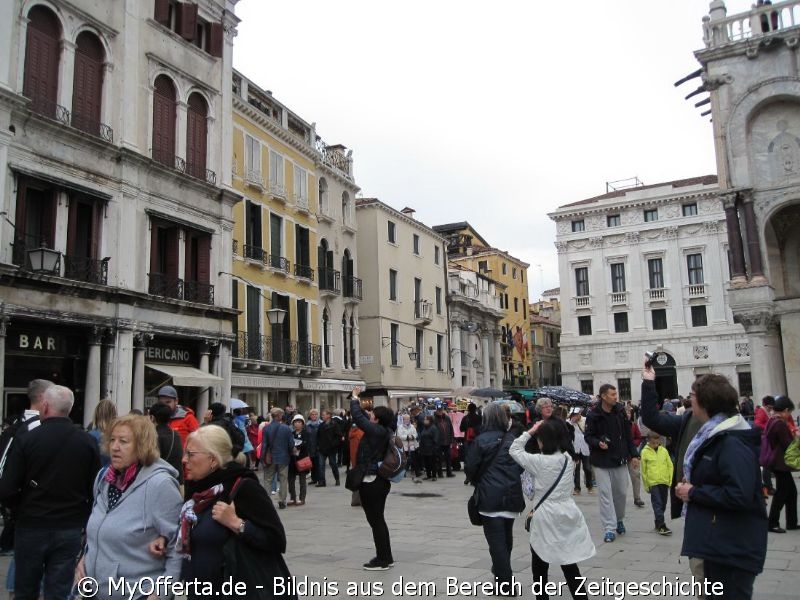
(495, 417)
(276, 413)
(542, 402)
(37, 388)
(60, 400)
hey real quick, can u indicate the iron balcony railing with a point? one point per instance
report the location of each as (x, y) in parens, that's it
(90, 270)
(272, 349)
(329, 280)
(279, 262)
(165, 286)
(195, 291)
(92, 126)
(254, 253)
(199, 171)
(20, 247)
(304, 271)
(352, 288)
(50, 109)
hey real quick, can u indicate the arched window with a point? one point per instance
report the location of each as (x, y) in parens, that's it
(347, 273)
(345, 351)
(326, 337)
(87, 87)
(323, 196)
(42, 55)
(196, 136)
(345, 208)
(164, 107)
(352, 347)
(327, 274)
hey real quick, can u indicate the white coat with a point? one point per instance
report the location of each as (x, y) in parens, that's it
(559, 533)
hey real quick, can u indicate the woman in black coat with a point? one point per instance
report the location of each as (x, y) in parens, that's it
(490, 468)
(373, 489)
(429, 446)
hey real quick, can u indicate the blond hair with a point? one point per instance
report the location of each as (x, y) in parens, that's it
(145, 438)
(214, 440)
(104, 414)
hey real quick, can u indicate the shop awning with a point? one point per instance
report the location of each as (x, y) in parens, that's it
(187, 376)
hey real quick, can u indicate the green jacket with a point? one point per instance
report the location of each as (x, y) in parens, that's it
(656, 467)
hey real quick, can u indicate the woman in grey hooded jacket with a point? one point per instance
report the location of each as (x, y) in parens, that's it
(134, 522)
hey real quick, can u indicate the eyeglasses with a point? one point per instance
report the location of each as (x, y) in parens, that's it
(191, 453)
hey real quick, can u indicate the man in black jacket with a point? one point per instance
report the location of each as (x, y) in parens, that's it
(611, 448)
(52, 468)
(328, 439)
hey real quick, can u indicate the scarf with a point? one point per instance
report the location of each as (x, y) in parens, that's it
(701, 436)
(191, 508)
(122, 479)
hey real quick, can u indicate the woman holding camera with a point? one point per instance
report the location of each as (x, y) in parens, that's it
(408, 433)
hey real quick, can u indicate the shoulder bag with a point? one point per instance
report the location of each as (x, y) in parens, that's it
(547, 493)
(792, 455)
(472, 504)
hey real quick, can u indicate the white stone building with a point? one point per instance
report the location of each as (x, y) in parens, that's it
(115, 158)
(403, 338)
(642, 269)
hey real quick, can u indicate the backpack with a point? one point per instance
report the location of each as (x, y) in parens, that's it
(236, 435)
(393, 465)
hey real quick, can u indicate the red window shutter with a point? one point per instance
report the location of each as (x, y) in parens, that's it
(72, 226)
(41, 70)
(97, 223)
(204, 259)
(161, 12)
(154, 248)
(196, 132)
(172, 253)
(22, 193)
(49, 219)
(216, 40)
(189, 258)
(164, 117)
(88, 84)
(187, 20)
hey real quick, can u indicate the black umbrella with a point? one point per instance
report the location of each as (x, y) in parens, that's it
(488, 393)
(560, 393)
(513, 405)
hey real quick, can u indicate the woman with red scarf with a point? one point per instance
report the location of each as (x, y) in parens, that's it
(228, 515)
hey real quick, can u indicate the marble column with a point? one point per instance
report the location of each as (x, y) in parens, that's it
(216, 397)
(766, 353)
(91, 389)
(485, 357)
(138, 391)
(735, 243)
(225, 368)
(498, 360)
(202, 399)
(107, 364)
(455, 354)
(123, 358)
(753, 240)
(790, 336)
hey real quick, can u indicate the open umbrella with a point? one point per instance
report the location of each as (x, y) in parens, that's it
(488, 393)
(513, 405)
(559, 393)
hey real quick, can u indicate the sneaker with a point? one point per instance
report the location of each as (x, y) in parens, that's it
(590, 490)
(376, 565)
(664, 530)
(609, 537)
(639, 503)
(576, 492)
(620, 528)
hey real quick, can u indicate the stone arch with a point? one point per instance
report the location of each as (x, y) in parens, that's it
(782, 241)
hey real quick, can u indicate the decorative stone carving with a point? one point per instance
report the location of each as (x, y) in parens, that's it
(561, 247)
(711, 226)
(671, 233)
(728, 199)
(756, 322)
(586, 358)
(632, 237)
(707, 207)
(596, 242)
(562, 227)
(700, 352)
(784, 153)
(670, 211)
(621, 356)
(742, 350)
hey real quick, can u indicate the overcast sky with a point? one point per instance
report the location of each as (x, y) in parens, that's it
(493, 113)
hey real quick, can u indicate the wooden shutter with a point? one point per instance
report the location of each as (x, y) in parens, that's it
(161, 12)
(22, 192)
(196, 132)
(189, 258)
(204, 259)
(72, 226)
(88, 83)
(155, 250)
(187, 20)
(42, 53)
(49, 217)
(164, 121)
(216, 39)
(172, 253)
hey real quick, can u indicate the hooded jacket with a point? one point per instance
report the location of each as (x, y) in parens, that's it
(117, 539)
(184, 422)
(726, 521)
(499, 487)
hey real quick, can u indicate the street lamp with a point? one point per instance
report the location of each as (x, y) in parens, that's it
(387, 341)
(44, 260)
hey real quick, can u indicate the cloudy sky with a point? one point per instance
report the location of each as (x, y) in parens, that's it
(493, 113)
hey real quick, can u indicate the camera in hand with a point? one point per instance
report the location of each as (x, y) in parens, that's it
(605, 439)
(651, 358)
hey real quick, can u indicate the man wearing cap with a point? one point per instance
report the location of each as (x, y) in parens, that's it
(182, 420)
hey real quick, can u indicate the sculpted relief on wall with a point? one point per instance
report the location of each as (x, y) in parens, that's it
(774, 145)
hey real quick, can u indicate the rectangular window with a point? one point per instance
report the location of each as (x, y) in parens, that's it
(618, 278)
(502, 304)
(613, 221)
(621, 322)
(587, 386)
(745, 384)
(253, 322)
(694, 264)
(276, 240)
(415, 244)
(276, 172)
(505, 269)
(436, 257)
(392, 284)
(578, 225)
(624, 389)
(252, 159)
(516, 304)
(395, 333)
(36, 218)
(655, 273)
(514, 273)
(582, 281)
(418, 346)
(651, 215)
(253, 244)
(659, 318)
(391, 232)
(302, 252)
(699, 317)
(522, 275)
(524, 309)
(585, 325)
(483, 266)
(689, 210)
(440, 353)
(300, 185)
(417, 297)
(438, 300)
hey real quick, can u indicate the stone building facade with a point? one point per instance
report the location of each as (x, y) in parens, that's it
(115, 199)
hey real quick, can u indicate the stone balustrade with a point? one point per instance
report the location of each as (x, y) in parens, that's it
(720, 29)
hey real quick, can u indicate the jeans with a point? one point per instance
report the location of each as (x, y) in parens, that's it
(737, 584)
(499, 533)
(373, 501)
(47, 553)
(331, 459)
(612, 487)
(540, 569)
(281, 470)
(588, 477)
(658, 498)
(785, 495)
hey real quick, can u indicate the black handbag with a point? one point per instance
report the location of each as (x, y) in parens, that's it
(552, 487)
(472, 504)
(354, 478)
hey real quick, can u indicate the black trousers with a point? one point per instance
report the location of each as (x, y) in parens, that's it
(540, 569)
(785, 495)
(588, 476)
(373, 501)
(499, 533)
(737, 584)
(445, 462)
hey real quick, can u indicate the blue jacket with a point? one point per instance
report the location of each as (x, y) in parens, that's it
(726, 520)
(499, 487)
(277, 437)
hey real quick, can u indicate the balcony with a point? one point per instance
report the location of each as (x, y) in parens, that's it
(582, 302)
(759, 22)
(93, 127)
(89, 270)
(199, 171)
(326, 211)
(618, 298)
(423, 310)
(85, 123)
(253, 178)
(276, 350)
(657, 294)
(335, 158)
(304, 272)
(352, 288)
(329, 281)
(277, 191)
(279, 263)
(194, 291)
(50, 109)
(256, 253)
(168, 159)
(301, 203)
(697, 290)
(164, 286)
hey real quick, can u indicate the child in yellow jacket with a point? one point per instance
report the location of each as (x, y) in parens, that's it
(657, 477)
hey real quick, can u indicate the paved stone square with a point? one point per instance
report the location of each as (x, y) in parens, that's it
(328, 540)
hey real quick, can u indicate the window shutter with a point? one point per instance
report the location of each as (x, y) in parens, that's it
(172, 253)
(161, 12)
(49, 220)
(187, 20)
(41, 69)
(22, 193)
(154, 249)
(216, 40)
(204, 259)
(72, 226)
